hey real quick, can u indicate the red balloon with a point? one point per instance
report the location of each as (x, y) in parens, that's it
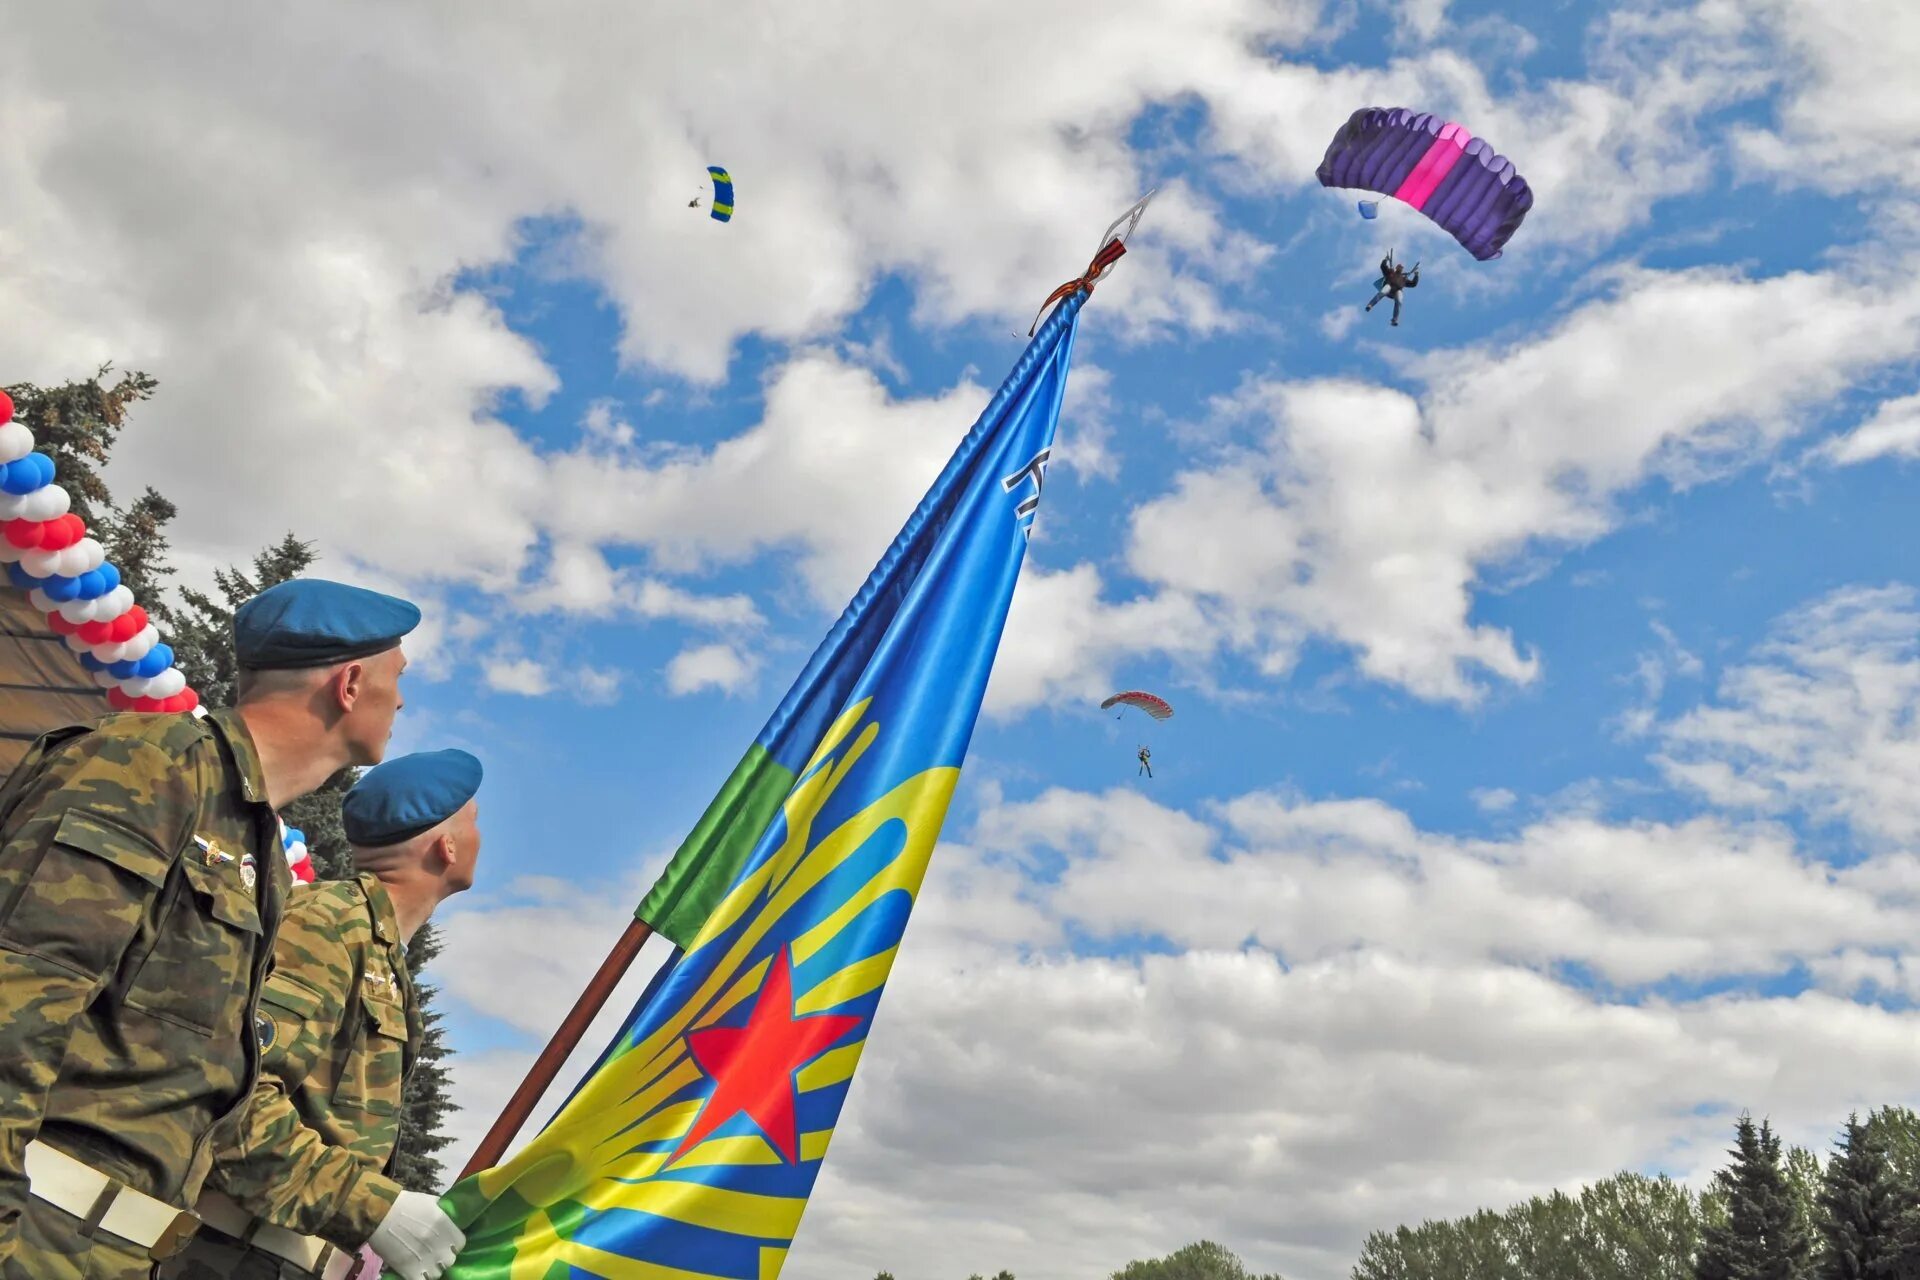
(24, 534)
(59, 534)
(127, 625)
(303, 871)
(58, 621)
(94, 633)
(150, 705)
(6, 408)
(188, 699)
(117, 699)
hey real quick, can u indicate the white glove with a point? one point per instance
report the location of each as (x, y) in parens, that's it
(417, 1238)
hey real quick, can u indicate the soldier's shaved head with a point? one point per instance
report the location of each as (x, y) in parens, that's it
(424, 870)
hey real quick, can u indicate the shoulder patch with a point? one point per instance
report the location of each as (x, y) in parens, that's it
(264, 1031)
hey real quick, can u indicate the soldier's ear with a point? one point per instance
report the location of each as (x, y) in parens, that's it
(442, 853)
(349, 682)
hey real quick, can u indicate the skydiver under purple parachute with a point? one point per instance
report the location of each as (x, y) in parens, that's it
(1438, 167)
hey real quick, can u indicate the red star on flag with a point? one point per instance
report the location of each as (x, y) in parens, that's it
(752, 1067)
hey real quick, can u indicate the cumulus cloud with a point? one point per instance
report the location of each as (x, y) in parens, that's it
(1824, 721)
(711, 666)
(1848, 117)
(1367, 516)
(1892, 432)
(523, 676)
(1349, 1022)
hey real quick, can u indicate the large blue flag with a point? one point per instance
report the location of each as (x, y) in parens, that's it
(690, 1150)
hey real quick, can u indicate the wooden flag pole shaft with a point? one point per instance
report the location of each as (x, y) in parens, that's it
(558, 1049)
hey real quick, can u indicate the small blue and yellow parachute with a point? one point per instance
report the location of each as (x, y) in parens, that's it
(722, 210)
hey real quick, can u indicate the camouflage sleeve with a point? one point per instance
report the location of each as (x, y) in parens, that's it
(86, 851)
(277, 1166)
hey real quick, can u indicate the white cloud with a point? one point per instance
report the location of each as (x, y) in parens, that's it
(523, 676)
(1892, 432)
(1368, 517)
(1020, 1107)
(1824, 720)
(1066, 642)
(1362, 1022)
(1849, 115)
(711, 666)
(1494, 799)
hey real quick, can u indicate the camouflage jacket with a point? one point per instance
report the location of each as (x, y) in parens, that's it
(340, 1028)
(141, 878)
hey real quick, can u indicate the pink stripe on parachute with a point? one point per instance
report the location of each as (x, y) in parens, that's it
(1434, 166)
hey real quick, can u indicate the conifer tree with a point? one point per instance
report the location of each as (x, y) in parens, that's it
(1860, 1209)
(1760, 1236)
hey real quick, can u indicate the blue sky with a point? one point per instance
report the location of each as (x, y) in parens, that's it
(1541, 787)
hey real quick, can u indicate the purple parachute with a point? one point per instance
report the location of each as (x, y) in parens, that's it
(1436, 166)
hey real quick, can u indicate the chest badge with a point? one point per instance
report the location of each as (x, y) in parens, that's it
(212, 854)
(249, 873)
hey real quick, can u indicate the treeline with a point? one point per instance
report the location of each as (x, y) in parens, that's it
(1203, 1260)
(1773, 1213)
(77, 424)
(1770, 1214)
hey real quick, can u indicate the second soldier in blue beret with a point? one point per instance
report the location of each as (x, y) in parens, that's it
(339, 1029)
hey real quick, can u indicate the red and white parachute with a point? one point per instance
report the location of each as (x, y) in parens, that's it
(1151, 703)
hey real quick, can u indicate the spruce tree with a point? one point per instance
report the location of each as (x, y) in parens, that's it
(76, 425)
(1760, 1236)
(1862, 1208)
(426, 1106)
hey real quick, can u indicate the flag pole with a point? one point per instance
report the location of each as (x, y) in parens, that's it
(565, 1040)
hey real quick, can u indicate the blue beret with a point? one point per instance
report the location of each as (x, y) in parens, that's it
(400, 799)
(310, 622)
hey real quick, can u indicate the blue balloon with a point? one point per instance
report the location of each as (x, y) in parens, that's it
(158, 659)
(21, 578)
(24, 476)
(111, 573)
(61, 589)
(295, 836)
(125, 669)
(93, 585)
(92, 663)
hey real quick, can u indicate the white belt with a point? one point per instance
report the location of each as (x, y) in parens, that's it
(309, 1253)
(106, 1203)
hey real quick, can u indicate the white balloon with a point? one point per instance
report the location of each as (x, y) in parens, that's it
(141, 645)
(47, 503)
(47, 604)
(166, 684)
(75, 611)
(78, 645)
(16, 442)
(114, 603)
(40, 563)
(73, 561)
(137, 687)
(105, 679)
(9, 554)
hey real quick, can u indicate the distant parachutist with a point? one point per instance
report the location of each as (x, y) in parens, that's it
(1146, 761)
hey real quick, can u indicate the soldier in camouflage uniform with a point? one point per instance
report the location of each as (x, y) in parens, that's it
(141, 881)
(303, 1182)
